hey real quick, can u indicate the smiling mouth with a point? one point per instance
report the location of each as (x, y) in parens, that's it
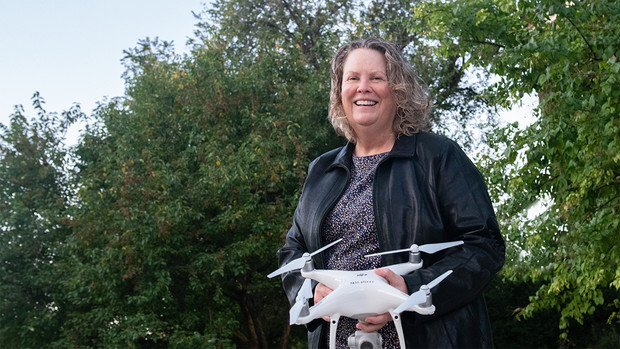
(365, 103)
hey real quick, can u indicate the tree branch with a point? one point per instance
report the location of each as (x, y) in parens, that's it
(584, 38)
(486, 43)
(294, 14)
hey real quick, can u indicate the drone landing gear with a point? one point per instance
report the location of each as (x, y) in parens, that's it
(333, 326)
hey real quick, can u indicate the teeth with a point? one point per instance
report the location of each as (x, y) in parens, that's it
(365, 103)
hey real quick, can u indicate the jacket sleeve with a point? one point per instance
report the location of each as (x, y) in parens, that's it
(294, 247)
(467, 214)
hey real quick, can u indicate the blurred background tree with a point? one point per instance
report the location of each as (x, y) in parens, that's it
(557, 180)
(35, 196)
(195, 172)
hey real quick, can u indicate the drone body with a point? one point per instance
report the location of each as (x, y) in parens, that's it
(359, 294)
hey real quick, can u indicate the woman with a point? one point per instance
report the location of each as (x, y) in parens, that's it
(393, 185)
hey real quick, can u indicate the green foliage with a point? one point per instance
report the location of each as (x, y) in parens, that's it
(506, 298)
(34, 197)
(568, 160)
(187, 187)
(459, 110)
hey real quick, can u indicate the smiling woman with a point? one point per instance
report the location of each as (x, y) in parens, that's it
(412, 101)
(368, 101)
(392, 186)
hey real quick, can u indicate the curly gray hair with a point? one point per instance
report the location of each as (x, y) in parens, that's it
(413, 103)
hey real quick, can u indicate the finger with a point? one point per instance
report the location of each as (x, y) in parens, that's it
(387, 274)
(374, 323)
(378, 319)
(321, 291)
(370, 327)
(392, 279)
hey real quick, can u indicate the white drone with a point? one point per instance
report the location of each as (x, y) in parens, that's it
(359, 294)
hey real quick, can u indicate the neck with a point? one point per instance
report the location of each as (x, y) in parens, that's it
(366, 146)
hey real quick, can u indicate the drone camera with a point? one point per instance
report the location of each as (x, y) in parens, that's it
(363, 340)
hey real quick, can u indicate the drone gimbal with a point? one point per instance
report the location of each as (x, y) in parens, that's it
(365, 340)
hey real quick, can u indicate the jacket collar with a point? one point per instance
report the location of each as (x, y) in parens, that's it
(343, 158)
(404, 146)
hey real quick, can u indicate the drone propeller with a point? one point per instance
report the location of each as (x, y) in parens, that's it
(299, 262)
(302, 298)
(420, 296)
(428, 248)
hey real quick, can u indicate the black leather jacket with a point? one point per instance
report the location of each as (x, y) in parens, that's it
(425, 191)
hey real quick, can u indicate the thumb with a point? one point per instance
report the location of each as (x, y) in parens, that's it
(387, 274)
(392, 278)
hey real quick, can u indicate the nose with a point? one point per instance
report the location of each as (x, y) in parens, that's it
(363, 86)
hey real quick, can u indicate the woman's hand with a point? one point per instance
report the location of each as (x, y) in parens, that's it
(321, 291)
(374, 323)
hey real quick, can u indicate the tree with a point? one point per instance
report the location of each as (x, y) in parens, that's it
(311, 30)
(568, 160)
(35, 193)
(459, 110)
(187, 186)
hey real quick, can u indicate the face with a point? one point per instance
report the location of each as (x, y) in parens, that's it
(367, 98)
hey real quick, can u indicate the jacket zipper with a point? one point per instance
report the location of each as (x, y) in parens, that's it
(375, 188)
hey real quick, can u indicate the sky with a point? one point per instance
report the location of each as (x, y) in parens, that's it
(70, 51)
